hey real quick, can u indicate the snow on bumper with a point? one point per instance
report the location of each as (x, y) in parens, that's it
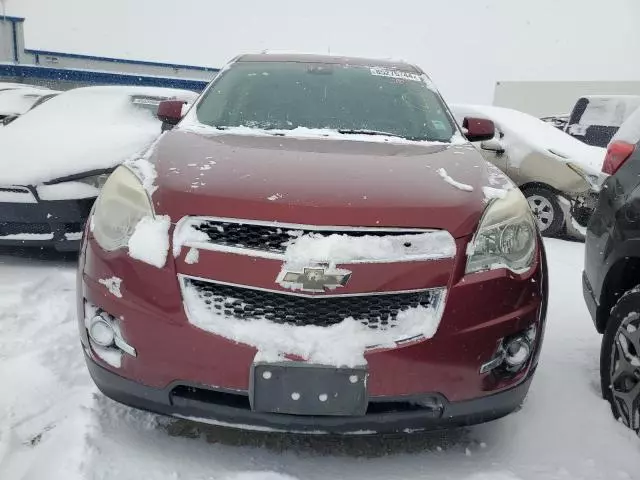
(480, 310)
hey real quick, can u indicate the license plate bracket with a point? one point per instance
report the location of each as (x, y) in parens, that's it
(298, 388)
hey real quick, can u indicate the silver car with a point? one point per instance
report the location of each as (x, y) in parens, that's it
(559, 175)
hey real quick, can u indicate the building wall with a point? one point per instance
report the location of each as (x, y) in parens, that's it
(7, 25)
(555, 98)
(63, 71)
(64, 60)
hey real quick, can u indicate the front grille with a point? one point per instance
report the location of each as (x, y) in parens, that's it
(16, 228)
(267, 237)
(374, 311)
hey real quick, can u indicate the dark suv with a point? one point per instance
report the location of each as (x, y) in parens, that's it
(611, 278)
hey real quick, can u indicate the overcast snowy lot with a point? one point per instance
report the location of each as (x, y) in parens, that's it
(55, 425)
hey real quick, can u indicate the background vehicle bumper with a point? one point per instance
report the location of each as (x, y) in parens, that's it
(232, 409)
(58, 224)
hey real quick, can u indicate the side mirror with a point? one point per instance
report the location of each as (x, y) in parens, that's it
(170, 113)
(478, 129)
(493, 145)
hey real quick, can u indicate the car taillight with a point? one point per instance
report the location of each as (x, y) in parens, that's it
(617, 154)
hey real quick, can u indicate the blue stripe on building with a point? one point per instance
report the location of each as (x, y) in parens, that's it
(120, 60)
(63, 71)
(98, 78)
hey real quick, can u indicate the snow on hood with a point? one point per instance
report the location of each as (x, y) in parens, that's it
(524, 134)
(18, 101)
(81, 130)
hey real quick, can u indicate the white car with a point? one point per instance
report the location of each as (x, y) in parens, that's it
(559, 175)
(18, 101)
(55, 159)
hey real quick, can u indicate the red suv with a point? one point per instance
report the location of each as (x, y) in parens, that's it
(315, 247)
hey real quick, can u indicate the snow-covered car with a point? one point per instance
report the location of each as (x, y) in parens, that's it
(18, 101)
(55, 158)
(558, 121)
(595, 119)
(12, 86)
(315, 247)
(559, 175)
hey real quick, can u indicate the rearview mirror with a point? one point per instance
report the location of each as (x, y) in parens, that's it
(170, 113)
(478, 129)
(493, 145)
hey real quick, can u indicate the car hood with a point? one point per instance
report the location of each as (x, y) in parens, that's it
(324, 181)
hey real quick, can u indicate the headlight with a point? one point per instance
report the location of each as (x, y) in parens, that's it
(122, 203)
(96, 181)
(506, 237)
(594, 181)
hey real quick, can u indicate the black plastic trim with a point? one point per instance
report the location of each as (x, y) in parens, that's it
(453, 414)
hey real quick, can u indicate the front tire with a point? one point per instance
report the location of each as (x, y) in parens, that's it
(620, 360)
(546, 209)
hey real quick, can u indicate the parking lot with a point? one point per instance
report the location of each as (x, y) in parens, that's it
(56, 425)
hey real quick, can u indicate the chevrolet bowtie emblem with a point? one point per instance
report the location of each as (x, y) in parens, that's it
(313, 279)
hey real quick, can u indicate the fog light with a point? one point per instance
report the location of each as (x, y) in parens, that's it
(517, 353)
(101, 332)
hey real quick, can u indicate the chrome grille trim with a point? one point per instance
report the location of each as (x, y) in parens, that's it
(191, 222)
(183, 277)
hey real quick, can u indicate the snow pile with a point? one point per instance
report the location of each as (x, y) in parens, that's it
(460, 186)
(192, 256)
(525, 135)
(73, 236)
(18, 101)
(79, 131)
(335, 249)
(186, 233)
(192, 125)
(113, 285)
(150, 240)
(66, 191)
(349, 339)
(146, 173)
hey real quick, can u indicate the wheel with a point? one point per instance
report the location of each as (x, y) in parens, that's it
(620, 360)
(546, 208)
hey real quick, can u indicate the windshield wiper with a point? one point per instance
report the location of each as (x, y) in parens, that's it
(364, 131)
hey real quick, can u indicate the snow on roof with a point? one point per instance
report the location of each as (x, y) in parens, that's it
(524, 134)
(78, 131)
(630, 130)
(19, 100)
(608, 110)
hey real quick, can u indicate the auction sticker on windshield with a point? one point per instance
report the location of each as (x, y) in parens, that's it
(385, 72)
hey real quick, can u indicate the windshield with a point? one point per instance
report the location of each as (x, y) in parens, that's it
(350, 99)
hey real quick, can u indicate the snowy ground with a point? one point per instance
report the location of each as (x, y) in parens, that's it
(54, 425)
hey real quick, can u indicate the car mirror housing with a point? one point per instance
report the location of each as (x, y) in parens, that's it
(478, 129)
(170, 113)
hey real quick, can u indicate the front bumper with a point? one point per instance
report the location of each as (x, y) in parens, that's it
(56, 223)
(227, 409)
(212, 374)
